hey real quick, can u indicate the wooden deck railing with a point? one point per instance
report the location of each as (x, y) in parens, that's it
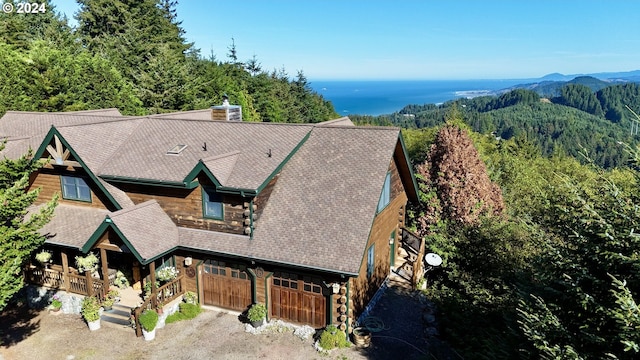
(164, 295)
(78, 284)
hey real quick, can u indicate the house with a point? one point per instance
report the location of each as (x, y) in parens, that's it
(305, 218)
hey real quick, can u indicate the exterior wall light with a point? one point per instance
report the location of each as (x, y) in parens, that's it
(188, 261)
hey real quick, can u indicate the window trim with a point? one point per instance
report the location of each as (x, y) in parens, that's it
(75, 183)
(205, 200)
(385, 194)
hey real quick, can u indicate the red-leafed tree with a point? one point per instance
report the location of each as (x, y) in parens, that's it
(454, 170)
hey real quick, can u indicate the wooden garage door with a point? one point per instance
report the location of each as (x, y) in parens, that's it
(298, 299)
(226, 285)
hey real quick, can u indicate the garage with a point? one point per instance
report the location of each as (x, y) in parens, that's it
(226, 285)
(298, 299)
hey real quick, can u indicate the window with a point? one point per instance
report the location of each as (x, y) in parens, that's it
(370, 261)
(75, 188)
(215, 267)
(212, 204)
(385, 196)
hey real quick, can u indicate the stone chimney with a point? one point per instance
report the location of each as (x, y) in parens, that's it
(226, 112)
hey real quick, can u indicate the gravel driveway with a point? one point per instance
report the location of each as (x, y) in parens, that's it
(32, 334)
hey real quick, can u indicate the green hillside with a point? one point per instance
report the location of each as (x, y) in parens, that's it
(578, 122)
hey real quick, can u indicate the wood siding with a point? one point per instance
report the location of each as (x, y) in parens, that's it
(184, 207)
(390, 219)
(48, 180)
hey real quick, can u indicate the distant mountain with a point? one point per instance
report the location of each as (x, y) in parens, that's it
(622, 76)
(550, 85)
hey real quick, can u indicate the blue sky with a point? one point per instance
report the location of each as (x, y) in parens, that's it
(447, 39)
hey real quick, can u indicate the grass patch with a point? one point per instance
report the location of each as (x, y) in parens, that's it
(187, 312)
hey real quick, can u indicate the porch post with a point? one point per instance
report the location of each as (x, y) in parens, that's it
(65, 269)
(87, 275)
(105, 269)
(154, 290)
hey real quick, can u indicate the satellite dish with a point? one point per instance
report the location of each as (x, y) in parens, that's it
(433, 259)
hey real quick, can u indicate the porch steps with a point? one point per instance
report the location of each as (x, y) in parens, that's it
(118, 315)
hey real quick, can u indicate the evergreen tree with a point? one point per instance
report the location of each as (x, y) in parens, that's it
(19, 236)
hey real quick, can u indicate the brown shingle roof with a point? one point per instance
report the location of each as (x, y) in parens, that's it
(323, 205)
(144, 154)
(72, 225)
(148, 229)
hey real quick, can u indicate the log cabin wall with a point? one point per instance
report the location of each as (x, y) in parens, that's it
(390, 219)
(184, 206)
(48, 180)
(263, 197)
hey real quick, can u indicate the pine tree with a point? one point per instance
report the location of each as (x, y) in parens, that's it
(19, 236)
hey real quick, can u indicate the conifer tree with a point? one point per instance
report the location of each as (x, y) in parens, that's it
(19, 236)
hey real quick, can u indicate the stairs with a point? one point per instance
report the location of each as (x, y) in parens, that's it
(119, 315)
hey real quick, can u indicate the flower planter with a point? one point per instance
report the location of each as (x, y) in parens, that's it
(149, 335)
(94, 325)
(361, 337)
(257, 323)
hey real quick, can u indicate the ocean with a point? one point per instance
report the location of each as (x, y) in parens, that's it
(387, 97)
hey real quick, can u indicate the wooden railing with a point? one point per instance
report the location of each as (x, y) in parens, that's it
(45, 277)
(78, 284)
(164, 295)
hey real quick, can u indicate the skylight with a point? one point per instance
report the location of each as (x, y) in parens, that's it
(176, 149)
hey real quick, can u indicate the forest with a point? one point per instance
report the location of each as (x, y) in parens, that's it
(132, 55)
(576, 121)
(531, 201)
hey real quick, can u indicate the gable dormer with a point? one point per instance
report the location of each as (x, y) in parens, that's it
(65, 173)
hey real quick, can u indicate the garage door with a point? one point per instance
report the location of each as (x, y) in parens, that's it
(298, 299)
(226, 285)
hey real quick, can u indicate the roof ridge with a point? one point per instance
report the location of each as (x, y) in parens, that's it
(359, 127)
(135, 207)
(250, 123)
(112, 119)
(221, 156)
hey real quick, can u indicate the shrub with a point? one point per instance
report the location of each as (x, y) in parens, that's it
(121, 280)
(187, 312)
(332, 338)
(149, 320)
(257, 312)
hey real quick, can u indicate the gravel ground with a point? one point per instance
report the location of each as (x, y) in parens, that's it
(212, 335)
(400, 334)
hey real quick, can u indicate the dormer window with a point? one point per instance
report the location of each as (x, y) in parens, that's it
(75, 188)
(212, 204)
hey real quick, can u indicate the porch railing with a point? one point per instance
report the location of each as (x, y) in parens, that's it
(74, 283)
(164, 295)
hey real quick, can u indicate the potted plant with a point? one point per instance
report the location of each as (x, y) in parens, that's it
(87, 263)
(43, 257)
(190, 297)
(55, 304)
(91, 312)
(166, 274)
(257, 314)
(110, 299)
(148, 322)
